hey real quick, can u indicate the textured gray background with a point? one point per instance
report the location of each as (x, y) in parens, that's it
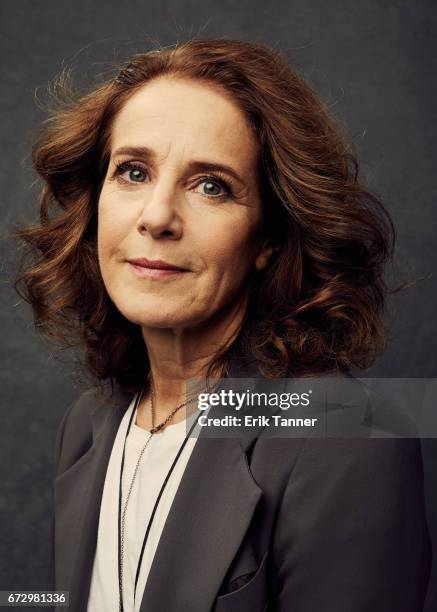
(373, 62)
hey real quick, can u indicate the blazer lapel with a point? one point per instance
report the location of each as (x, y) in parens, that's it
(211, 512)
(207, 521)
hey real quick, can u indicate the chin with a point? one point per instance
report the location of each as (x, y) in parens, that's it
(147, 311)
(158, 318)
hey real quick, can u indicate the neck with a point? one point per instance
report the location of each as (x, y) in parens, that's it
(177, 355)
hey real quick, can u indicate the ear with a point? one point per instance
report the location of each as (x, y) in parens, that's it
(263, 256)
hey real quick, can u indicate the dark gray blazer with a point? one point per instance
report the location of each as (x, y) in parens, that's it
(258, 523)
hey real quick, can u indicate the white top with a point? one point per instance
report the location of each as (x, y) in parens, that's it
(153, 468)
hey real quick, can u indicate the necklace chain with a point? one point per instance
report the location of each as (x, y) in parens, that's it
(152, 431)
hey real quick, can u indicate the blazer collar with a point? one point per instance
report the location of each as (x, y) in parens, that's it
(210, 514)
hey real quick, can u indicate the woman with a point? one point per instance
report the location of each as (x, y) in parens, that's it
(211, 223)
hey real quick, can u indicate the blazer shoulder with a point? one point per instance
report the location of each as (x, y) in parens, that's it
(74, 432)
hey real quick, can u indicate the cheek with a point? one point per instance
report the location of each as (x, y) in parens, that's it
(228, 249)
(111, 226)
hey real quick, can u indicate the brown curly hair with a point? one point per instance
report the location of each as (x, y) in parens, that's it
(319, 304)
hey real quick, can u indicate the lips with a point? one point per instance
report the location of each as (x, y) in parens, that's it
(156, 269)
(155, 264)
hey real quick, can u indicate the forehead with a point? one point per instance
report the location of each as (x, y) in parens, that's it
(170, 114)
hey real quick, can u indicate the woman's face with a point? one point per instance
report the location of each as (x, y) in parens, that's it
(161, 201)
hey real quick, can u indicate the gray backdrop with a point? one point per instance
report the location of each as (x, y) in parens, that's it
(373, 62)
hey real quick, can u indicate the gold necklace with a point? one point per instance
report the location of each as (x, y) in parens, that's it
(170, 416)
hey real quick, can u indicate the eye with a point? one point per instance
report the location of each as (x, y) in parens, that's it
(134, 172)
(136, 175)
(214, 187)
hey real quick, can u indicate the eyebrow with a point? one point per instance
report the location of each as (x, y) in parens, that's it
(194, 166)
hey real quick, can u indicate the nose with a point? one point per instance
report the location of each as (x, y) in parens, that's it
(160, 215)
